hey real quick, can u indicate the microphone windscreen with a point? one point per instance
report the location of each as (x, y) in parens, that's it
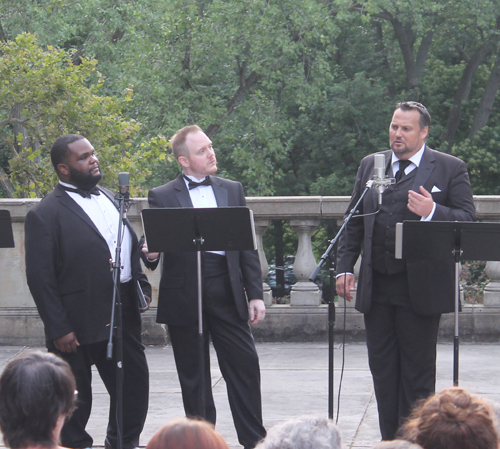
(123, 179)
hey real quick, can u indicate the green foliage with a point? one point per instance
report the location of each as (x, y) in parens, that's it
(483, 160)
(473, 279)
(55, 97)
(294, 93)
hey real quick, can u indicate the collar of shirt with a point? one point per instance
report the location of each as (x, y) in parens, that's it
(71, 186)
(415, 159)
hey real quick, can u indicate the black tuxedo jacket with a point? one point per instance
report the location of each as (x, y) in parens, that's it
(68, 269)
(431, 283)
(178, 292)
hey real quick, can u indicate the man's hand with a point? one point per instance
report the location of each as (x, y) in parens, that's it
(420, 203)
(256, 310)
(345, 285)
(67, 343)
(150, 256)
(148, 300)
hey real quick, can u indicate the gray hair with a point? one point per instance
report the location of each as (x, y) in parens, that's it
(303, 432)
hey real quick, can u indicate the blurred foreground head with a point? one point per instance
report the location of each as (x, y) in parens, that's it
(186, 433)
(37, 393)
(454, 419)
(303, 432)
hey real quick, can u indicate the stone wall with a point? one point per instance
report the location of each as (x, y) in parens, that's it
(305, 320)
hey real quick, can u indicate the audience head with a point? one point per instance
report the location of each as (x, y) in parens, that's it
(37, 393)
(186, 433)
(454, 419)
(303, 432)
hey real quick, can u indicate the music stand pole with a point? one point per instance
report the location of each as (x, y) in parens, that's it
(201, 338)
(331, 341)
(457, 254)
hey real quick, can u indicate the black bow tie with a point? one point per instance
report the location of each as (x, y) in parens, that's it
(192, 185)
(84, 193)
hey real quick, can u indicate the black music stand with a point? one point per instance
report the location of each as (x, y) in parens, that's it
(6, 236)
(202, 229)
(449, 240)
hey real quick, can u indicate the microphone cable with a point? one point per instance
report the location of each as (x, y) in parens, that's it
(342, 369)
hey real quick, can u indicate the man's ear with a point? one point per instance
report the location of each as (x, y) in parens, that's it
(63, 169)
(183, 161)
(426, 130)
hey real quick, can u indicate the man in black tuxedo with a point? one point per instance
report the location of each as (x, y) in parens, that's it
(226, 278)
(71, 237)
(402, 300)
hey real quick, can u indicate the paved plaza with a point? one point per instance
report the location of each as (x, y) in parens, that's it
(295, 382)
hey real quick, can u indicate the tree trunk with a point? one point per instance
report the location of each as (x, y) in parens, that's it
(414, 68)
(462, 95)
(380, 48)
(486, 103)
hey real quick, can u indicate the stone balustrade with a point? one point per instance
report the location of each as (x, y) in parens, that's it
(304, 319)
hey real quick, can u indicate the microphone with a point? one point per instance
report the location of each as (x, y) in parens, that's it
(380, 181)
(123, 183)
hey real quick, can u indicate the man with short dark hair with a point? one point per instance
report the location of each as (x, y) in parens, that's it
(402, 300)
(227, 276)
(71, 237)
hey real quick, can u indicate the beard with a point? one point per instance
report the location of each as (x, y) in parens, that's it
(85, 181)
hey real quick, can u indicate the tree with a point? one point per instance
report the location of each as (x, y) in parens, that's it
(47, 95)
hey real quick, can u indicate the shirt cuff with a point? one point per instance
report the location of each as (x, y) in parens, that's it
(429, 217)
(343, 274)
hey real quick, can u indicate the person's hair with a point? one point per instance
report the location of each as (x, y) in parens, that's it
(36, 388)
(453, 418)
(178, 140)
(187, 433)
(397, 444)
(60, 150)
(303, 432)
(495, 409)
(424, 119)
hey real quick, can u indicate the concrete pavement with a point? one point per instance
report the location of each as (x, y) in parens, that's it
(295, 382)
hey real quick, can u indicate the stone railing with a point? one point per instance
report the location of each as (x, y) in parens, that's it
(304, 319)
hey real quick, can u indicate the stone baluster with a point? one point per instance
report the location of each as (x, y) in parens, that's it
(260, 227)
(304, 292)
(492, 289)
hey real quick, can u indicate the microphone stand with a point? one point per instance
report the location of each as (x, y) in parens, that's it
(116, 315)
(331, 304)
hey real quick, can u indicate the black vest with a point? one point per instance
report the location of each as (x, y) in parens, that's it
(393, 210)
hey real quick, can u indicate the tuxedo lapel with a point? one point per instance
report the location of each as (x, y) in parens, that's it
(182, 192)
(424, 169)
(219, 192)
(68, 202)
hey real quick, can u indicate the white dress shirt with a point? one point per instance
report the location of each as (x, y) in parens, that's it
(105, 217)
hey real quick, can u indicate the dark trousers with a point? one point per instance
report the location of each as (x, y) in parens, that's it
(401, 351)
(135, 384)
(238, 360)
